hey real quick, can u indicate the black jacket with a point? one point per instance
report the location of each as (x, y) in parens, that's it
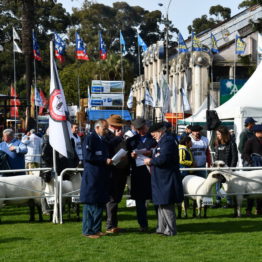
(228, 153)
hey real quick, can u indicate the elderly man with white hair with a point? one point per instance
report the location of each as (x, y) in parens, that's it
(14, 149)
(34, 147)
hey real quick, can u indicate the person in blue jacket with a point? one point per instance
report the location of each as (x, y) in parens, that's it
(166, 180)
(94, 191)
(15, 151)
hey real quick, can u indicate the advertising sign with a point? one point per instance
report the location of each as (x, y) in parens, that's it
(100, 86)
(107, 100)
(229, 87)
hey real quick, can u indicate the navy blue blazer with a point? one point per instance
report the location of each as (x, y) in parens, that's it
(95, 180)
(166, 179)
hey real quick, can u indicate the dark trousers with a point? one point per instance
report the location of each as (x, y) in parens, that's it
(111, 212)
(92, 219)
(141, 213)
(118, 182)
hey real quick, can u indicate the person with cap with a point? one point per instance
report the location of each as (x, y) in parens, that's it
(167, 188)
(200, 150)
(140, 174)
(252, 154)
(245, 135)
(34, 149)
(187, 132)
(94, 190)
(15, 151)
(114, 138)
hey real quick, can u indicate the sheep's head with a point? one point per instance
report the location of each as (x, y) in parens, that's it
(219, 163)
(219, 176)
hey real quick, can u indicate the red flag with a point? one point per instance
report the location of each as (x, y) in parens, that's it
(45, 103)
(14, 102)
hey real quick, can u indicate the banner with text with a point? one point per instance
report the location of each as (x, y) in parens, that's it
(116, 100)
(100, 86)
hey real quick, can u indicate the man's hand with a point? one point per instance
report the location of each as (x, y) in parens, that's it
(118, 132)
(147, 161)
(12, 148)
(109, 161)
(134, 155)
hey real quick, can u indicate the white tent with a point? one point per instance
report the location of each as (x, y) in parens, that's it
(200, 116)
(247, 102)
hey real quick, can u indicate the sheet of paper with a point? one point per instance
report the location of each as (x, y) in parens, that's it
(118, 156)
(140, 151)
(140, 160)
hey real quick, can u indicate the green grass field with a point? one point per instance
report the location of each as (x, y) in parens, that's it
(216, 238)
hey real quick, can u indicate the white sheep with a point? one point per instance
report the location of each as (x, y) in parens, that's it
(241, 183)
(8, 190)
(195, 185)
(68, 186)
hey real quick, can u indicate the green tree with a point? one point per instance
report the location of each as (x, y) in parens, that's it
(249, 3)
(220, 12)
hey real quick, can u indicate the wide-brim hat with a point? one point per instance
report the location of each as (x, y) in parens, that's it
(156, 127)
(139, 122)
(115, 120)
(257, 128)
(196, 128)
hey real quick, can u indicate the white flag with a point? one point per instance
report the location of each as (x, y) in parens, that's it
(15, 35)
(16, 48)
(165, 94)
(173, 97)
(59, 125)
(38, 99)
(129, 102)
(148, 98)
(156, 97)
(1, 48)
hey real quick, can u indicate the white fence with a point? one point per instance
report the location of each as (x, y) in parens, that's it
(59, 194)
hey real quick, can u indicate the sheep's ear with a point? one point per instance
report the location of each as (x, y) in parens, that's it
(46, 176)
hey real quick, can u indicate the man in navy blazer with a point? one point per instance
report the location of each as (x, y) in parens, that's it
(166, 180)
(94, 192)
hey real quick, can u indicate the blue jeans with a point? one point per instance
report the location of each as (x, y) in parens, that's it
(92, 219)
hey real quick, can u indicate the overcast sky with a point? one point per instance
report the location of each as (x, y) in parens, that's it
(181, 12)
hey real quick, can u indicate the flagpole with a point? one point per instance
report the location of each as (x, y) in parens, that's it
(122, 77)
(99, 59)
(78, 91)
(235, 62)
(15, 108)
(55, 214)
(138, 54)
(35, 109)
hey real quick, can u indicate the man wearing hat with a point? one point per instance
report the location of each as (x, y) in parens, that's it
(245, 135)
(167, 188)
(115, 140)
(140, 175)
(252, 154)
(200, 150)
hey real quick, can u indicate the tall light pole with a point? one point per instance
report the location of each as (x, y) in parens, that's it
(167, 27)
(166, 40)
